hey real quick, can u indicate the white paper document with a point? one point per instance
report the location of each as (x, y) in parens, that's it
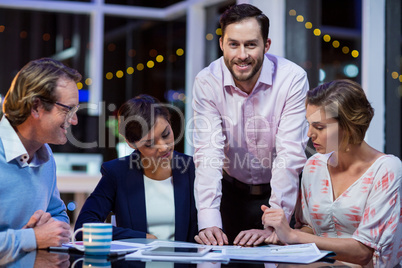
(186, 244)
(116, 246)
(300, 253)
(209, 257)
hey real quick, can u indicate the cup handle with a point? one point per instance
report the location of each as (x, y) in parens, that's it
(73, 240)
(76, 261)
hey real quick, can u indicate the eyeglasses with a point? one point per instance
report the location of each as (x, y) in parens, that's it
(71, 110)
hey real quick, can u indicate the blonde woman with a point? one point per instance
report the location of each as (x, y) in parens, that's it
(350, 192)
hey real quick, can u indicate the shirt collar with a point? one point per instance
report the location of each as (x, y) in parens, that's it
(14, 149)
(266, 74)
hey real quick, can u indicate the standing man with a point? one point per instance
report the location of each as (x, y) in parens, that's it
(249, 141)
(39, 107)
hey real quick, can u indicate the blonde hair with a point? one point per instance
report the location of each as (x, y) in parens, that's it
(36, 80)
(346, 101)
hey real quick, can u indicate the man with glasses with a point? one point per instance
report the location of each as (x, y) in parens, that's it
(38, 109)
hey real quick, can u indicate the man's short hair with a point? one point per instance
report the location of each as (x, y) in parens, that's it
(237, 13)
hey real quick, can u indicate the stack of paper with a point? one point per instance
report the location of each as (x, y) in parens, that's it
(300, 253)
(116, 246)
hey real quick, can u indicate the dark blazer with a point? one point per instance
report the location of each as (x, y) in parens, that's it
(121, 191)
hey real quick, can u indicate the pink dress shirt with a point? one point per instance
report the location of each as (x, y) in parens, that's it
(257, 138)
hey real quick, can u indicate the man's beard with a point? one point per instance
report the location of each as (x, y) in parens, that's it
(241, 77)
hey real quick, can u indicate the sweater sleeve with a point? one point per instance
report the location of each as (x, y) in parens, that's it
(16, 241)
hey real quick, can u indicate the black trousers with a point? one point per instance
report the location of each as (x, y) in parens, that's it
(240, 211)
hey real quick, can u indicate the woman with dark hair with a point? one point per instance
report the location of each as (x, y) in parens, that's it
(350, 192)
(151, 191)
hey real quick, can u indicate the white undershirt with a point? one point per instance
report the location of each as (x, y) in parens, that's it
(160, 209)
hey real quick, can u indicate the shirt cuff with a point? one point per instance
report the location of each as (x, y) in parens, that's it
(209, 218)
(29, 239)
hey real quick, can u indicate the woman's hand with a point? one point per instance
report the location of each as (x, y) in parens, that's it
(273, 239)
(276, 219)
(151, 236)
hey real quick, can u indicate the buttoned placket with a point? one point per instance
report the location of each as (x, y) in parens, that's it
(251, 136)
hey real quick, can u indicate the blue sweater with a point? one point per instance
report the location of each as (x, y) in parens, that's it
(24, 189)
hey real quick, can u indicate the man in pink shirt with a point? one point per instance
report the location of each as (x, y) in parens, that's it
(249, 116)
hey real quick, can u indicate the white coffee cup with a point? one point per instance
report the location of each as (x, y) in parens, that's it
(97, 238)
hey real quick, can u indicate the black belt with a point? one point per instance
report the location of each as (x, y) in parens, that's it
(252, 189)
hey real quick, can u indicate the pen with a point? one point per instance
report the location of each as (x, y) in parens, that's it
(65, 249)
(59, 249)
(119, 253)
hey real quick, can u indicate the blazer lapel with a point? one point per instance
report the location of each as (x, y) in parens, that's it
(136, 193)
(181, 199)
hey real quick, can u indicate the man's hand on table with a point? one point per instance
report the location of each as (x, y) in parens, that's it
(212, 236)
(252, 237)
(38, 218)
(52, 234)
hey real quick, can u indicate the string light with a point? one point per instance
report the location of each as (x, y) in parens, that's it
(209, 37)
(140, 66)
(88, 81)
(336, 44)
(132, 53)
(153, 53)
(396, 75)
(179, 52)
(150, 64)
(111, 48)
(317, 32)
(119, 74)
(46, 37)
(345, 50)
(109, 75)
(300, 18)
(130, 70)
(23, 34)
(327, 38)
(159, 58)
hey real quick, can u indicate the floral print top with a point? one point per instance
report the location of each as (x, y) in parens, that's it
(368, 211)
